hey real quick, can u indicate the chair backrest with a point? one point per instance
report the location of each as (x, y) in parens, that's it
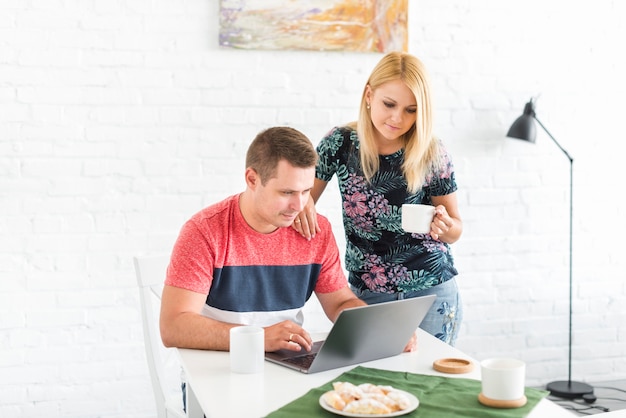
(165, 371)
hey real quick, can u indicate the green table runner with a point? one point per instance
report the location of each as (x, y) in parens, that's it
(438, 396)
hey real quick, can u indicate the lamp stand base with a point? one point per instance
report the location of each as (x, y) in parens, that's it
(569, 389)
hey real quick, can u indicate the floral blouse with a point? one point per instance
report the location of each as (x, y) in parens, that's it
(380, 256)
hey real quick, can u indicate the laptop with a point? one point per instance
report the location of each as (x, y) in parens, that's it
(360, 334)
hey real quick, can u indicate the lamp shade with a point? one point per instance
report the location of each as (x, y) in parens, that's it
(524, 127)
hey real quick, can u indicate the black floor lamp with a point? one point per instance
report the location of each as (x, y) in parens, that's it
(524, 128)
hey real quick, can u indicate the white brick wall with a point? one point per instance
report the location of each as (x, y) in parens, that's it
(119, 119)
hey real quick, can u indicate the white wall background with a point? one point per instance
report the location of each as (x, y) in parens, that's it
(119, 119)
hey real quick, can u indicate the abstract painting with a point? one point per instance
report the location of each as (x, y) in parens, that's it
(323, 25)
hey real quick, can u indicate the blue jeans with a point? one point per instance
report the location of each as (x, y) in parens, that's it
(183, 386)
(444, 318)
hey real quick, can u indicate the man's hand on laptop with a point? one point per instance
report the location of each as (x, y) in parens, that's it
(287, 335)
(412, 344)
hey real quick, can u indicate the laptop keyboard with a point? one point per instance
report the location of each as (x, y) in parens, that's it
(303, 361)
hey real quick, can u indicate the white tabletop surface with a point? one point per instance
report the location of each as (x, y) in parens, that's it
(217, 392)
(615, 414)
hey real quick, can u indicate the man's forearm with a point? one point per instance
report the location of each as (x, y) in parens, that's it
(349, 303)
(191, 330)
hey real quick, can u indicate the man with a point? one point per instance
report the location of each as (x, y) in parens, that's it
(239, 261)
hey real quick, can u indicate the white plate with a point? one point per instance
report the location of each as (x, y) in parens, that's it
(414, 403)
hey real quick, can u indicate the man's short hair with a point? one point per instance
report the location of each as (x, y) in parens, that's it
(279, 143)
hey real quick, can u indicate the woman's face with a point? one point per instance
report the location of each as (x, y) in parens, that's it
(393, 111)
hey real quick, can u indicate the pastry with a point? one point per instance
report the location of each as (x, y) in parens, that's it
(333, 399)
(385, 400)
(386, 388)
(400, 399)
(367, 406)
(371, 388)
(366, 398)
(348, 391)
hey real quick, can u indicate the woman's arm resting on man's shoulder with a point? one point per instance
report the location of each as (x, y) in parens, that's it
(306, 222)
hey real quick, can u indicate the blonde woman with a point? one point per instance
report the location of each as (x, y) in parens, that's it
(385, 159)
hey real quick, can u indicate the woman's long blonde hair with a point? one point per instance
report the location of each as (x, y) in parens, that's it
(421, 149)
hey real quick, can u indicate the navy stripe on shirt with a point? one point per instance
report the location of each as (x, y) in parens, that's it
(262, 288)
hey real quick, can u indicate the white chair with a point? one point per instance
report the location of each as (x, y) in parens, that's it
(165, 370)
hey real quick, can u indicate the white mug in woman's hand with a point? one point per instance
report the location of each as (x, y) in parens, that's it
(417, 218)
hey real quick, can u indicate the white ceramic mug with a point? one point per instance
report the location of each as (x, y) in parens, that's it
(417, 218)
(503, 379)
(247, 349)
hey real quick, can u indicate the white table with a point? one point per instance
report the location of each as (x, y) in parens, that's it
(615, 414)
(214, 391)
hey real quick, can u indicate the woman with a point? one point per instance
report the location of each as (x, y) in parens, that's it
(385, 159)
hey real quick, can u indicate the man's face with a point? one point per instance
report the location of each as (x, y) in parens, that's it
(277, 203)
